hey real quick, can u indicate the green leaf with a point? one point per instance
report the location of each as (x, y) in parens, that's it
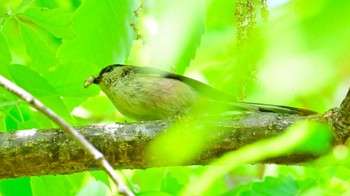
(68, 79)
(19, 186)
(50, 185)
(179, 35)
(56, 21)
(5, 56)
(59, 185)
(94, 188)
(284, 185)
(103, 33)
(43, 58)
(101, 176)
(66, 5)
(193, 40)
(174, 179)
(319, 140)
(35, 84)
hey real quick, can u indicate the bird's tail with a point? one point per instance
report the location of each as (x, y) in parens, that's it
(247, 106)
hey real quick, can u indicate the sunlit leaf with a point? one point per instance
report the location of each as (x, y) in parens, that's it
(178, 35)
(35, 84)
(19, 186)
(56, 21)
(103, 33)
(94, 188)
(284, 185)
(5, 56)
(42, 185)
(69, 77)
(43, 58)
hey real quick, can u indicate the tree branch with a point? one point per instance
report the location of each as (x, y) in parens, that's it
(125, 145)
(69, 130)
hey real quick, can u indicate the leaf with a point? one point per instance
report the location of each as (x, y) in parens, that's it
(68, 79)
(43, 58)
(174, 179)
(103, 33)
(59, 185)
(319, 140)
(101, 176)
(35, 84)
(5, 56)
(179, 35)
(284, 185)
(94, 188)
(56, 21)
(19, 186)
(193, 40)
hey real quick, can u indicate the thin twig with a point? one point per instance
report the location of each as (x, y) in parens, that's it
(74, 134)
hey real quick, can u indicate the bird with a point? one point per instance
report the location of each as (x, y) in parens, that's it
(146, 93)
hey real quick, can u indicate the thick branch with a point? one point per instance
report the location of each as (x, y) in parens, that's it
(43, 152)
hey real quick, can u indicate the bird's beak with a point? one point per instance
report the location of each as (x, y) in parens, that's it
(97, 80)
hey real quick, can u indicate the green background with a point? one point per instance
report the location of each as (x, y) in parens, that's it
(298, 57)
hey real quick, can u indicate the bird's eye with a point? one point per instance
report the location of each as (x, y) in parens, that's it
(124, 73)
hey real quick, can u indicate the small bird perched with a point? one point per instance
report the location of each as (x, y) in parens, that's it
(145, 93)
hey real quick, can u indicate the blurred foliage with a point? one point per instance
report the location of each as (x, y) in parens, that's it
(298, 56)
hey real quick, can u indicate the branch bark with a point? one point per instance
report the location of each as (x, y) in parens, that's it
(125, 145)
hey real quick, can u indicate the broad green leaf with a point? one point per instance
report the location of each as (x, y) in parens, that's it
(43, 58)
(50, 185)
(69, 77)
(103, 33)
(66, 5)
(96, 188)
(60, 184)
(100, 107)
(5, 56)
(101, 176)
(19, 186)
(319, 141)
(174, 179)
(331, 37)
(193, 39)
(18, 116)
(284, 185)
(56, 21)
(5, 60)
(35, 84)
(149, 179)
(15, 43)
(178, 35)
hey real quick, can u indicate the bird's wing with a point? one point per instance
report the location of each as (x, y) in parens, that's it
(223, 98)
(200, 87)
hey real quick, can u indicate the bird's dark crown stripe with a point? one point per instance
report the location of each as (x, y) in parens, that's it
(104, 70)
